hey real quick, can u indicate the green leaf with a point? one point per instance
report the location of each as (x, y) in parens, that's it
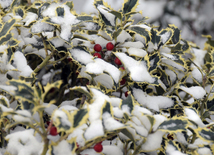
(19, 11)
(7, 27)
(82, 90)
(176, 35)
(129, 101)
(210, 104)
(129, 6)
(60, 11)
(116, 33)
(80, 117)
(166, 35)
(116, 13)
(85, 18)
(69, 4)
(155, 38)
(5, 39)
(128, 134)
(142, 32)
(206, 134)
(175, 124)
(107, 108)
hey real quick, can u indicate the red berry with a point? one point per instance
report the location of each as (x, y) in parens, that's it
(47, 122)
(126, 94)
(97, 48)
(98, 147)
(123, 81)
(53, 131)
(77, 145)
(122, 68)
(69, 59)
(117, 61)
(97, 55)
(109, 46)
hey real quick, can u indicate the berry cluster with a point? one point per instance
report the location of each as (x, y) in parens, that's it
(98, 48)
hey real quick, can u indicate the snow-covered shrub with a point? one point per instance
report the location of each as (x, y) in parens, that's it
(101, 83)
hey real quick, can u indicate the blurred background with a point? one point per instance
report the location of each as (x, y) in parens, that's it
(193, 17)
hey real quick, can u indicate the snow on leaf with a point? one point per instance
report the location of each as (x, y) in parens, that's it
(123, 36)
(193, 116)
(158, 102)
(110, 124)
(40, 27)
(81, 55)
(99, 66)
(165, 35)
(111, 149)
(62, 120)
(90, 133)
(195, 91)
(171, 150)
(151, 144)
(108, 18)
(23, 142)
(138, 70)
(21, 64)
(136, 52)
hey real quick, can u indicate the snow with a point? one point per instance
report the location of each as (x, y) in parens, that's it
(63, 148)
(81, 56)
(151, 144)
(136, 52)
(110, 123)
(171, 150)
(21, 64)
(204, 150)
(110, 17)
(196, 91)
(63, 118)
(25, 116)
(110, 150)
(30, 17)
(136, 44)
(40, 26)
(105, 80)
(193, 116)
(158, 102)
(49, 108)
(5, 3)
(118, 112)
(137, 69)
(158, 120)
(123, 36)
(99, 66)
(94, 130)
(23, 142)
(140, 129)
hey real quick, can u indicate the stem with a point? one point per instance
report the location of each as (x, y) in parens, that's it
(95, 142)
(138, 147)
(46, 142)
(53, 62)
(45, 46)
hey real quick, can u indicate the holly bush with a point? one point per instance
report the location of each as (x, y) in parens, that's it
(100, 84)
